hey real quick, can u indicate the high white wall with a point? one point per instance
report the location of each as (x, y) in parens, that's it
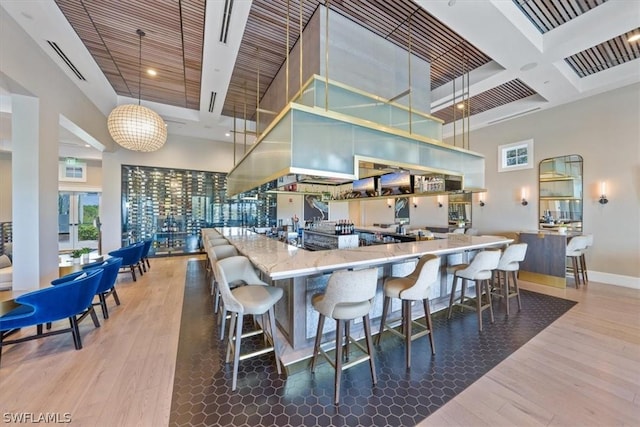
(26, 71)
(605, 131)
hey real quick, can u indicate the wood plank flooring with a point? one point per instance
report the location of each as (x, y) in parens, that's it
(582, 370)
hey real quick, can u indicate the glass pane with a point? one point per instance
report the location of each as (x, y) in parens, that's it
(64, 210)
(88, 209)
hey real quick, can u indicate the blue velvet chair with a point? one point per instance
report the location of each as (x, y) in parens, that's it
(144, 258)
(107, 286)
(69, 299)
(130, 257)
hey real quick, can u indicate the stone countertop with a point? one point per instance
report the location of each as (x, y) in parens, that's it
(281, 261)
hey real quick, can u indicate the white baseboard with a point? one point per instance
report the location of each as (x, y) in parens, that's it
(615, 279)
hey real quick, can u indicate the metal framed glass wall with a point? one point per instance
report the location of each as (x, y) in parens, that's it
(171, 206)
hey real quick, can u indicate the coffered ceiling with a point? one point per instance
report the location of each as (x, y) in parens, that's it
(523, 55)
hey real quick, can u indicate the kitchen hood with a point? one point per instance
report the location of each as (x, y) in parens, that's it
(360, 135)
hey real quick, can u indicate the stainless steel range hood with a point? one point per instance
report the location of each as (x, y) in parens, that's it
(360, 135)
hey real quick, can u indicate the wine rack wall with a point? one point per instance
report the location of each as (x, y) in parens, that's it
(171, 206)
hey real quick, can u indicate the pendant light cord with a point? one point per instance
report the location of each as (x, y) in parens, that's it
(141, 34)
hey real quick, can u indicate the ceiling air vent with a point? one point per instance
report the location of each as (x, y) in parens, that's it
(226, 18)
(66, 60)
(212, 101)
(513, 116)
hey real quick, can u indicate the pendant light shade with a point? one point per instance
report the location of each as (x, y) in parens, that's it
(135, 127)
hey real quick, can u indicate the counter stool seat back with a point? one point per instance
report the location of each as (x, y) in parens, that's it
(414, 287)
(255, 298)
(349, 295)
(479, 271)
(217, 253)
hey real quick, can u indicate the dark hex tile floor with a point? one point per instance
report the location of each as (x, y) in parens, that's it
(202, 393)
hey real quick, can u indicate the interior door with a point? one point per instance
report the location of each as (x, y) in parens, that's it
(77, 213)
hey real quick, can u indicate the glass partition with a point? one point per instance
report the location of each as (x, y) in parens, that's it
(561, 193)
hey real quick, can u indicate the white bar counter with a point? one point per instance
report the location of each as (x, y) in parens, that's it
(302, 273)
(279, 260)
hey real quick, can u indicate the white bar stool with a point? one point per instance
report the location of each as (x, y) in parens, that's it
(480, 271)
(255, 298)
(349, 295)
(414, 287)
(509, 263)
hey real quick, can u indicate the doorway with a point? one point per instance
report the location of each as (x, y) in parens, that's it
(78, 220)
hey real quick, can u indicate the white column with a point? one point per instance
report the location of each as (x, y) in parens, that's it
(34, 193)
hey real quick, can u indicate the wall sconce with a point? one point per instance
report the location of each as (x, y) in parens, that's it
(415, 202)
(603, 194)
(482, 203)
(523, 194)
(389, 203)
(439, 201)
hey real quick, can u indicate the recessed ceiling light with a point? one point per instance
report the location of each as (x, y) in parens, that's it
(460, 106)
(227, 134)
(634, 38)
(87, 145)
(152, 72)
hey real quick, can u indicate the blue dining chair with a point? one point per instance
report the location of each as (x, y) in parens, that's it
(130, 257)
(69, 299)
(107, 286)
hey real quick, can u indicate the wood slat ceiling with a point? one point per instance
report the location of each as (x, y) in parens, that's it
(172, 45)
(605, 55)
(492, 98)
(549, 14)
(266, 29)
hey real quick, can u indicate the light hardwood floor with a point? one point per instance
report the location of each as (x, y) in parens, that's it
(582, 370)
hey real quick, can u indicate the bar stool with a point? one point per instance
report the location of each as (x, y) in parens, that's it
(414, 287)
(349, 295)
(480, 272)
(509, 263)
(583, 260)
(575, 250)
(255, 298)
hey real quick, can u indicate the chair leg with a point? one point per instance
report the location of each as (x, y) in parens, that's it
(385, 310)
(338, 373)
(505, 288)
(316, 345)
(148, 264)
(103, 305)
(236, 356)
(486, 286)
(479, 303)
(115, 295)
(576, 272)
(75, 331)
(223, 321)
(272, 322)
(232, 325)
(94, 316)
(583, 266)
(367, 333)
(427, 317)
(516, 288)
(347, 341)
(452, 297)
(140, 268)
(133, 272)
(39, 328)
(406, 319)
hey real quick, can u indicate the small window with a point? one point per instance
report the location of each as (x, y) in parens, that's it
(518, 155)
(72, 172)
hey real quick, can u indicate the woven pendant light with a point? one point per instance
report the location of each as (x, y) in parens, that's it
(135, 127)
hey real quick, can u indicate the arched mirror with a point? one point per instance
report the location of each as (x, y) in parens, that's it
(561, 193)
